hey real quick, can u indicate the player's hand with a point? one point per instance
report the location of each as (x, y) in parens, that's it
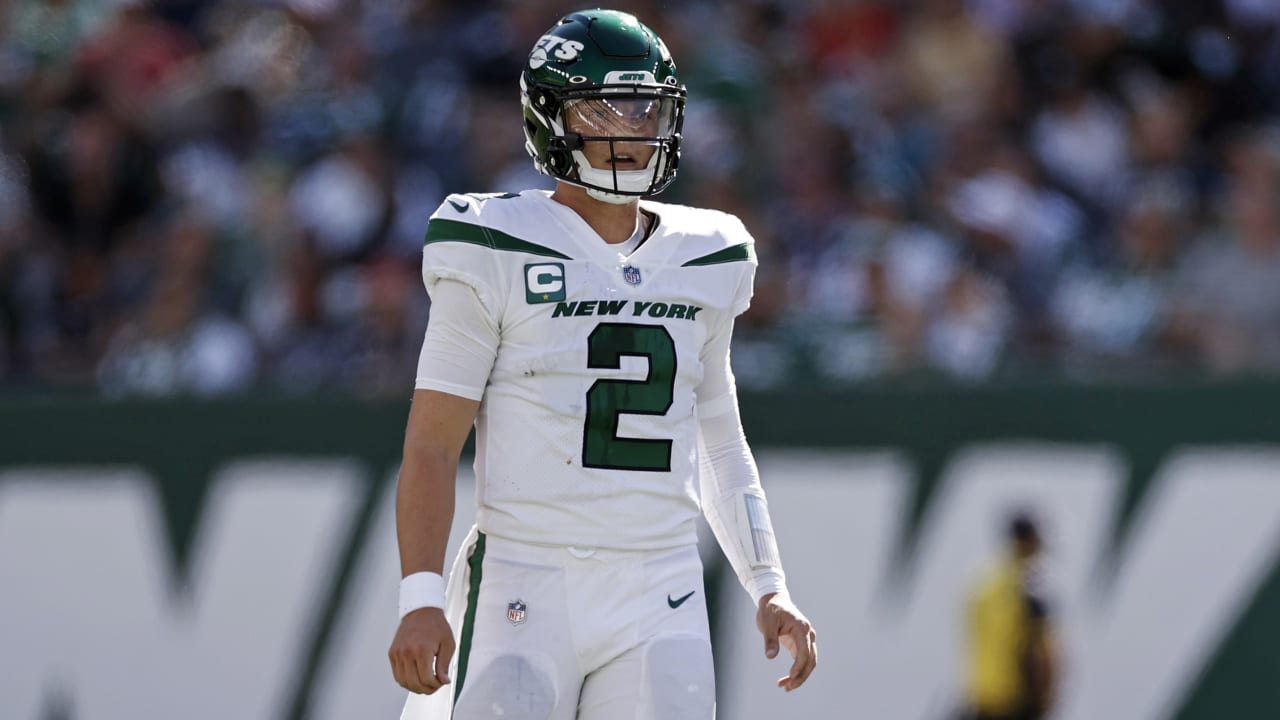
(780, 621)
(421, 651)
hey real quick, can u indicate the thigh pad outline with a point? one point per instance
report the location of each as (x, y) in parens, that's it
(680, 678)
(513, 686)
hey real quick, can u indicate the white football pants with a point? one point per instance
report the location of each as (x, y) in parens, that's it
(556, 633)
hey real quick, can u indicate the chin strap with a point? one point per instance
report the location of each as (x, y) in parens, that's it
(631, 181)
(611, 198)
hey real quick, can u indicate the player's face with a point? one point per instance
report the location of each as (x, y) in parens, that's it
(620, 117)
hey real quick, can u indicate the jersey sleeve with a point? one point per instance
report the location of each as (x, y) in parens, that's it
(738, 235)
(464, 281)
(449, 254)
(460, 345)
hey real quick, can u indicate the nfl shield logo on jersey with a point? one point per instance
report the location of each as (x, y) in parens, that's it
(631, 274)
(516, 612)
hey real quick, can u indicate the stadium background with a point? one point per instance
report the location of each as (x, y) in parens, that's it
(1011, 251)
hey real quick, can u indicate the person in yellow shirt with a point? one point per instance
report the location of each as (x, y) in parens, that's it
(1012, 659)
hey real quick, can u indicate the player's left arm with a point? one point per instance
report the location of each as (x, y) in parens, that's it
(738, 513)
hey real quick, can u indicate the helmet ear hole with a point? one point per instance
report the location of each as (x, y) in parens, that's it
(560, 160)
(544, 101)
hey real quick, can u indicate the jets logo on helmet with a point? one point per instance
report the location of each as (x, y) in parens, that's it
(629, 76)
(603, 83)
(564, 50)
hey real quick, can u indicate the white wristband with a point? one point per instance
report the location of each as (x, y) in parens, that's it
(420, 590)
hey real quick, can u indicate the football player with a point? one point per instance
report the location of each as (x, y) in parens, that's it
(585, 333)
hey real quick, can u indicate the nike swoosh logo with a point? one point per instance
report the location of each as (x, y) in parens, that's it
(679, 601)
(459, 206)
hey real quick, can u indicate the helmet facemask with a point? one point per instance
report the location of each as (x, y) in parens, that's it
(631, 131)
(617, 131)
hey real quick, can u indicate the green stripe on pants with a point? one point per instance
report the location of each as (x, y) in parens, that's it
(476, 563)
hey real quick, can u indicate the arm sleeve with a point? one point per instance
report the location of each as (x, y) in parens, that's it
(733, 500)
(461, 342)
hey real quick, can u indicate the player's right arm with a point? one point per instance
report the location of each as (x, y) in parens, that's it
(458, 353)
(437, 429)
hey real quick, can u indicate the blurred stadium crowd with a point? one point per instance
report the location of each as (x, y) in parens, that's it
(202, 196)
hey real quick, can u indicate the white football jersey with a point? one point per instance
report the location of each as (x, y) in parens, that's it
(587, 430)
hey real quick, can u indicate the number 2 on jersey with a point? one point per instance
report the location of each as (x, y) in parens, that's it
(607, 399)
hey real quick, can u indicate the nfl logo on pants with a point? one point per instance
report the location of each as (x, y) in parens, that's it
(515, 612)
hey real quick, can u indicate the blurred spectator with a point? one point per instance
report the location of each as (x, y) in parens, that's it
(969, 331)
(1230, 304)
(1081, 138)
(343, 201)
(954, 64)
(92, 174)
(387, 334)
(1115, 314)
(132, 57)
(1018, 229)
(173, 349)
(876, 286)
(176, 343)
(45, 33)
(967, 188)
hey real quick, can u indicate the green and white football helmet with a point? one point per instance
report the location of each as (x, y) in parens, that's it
(601, 76)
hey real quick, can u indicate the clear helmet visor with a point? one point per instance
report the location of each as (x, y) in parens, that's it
(624, 141)
(621, 117)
